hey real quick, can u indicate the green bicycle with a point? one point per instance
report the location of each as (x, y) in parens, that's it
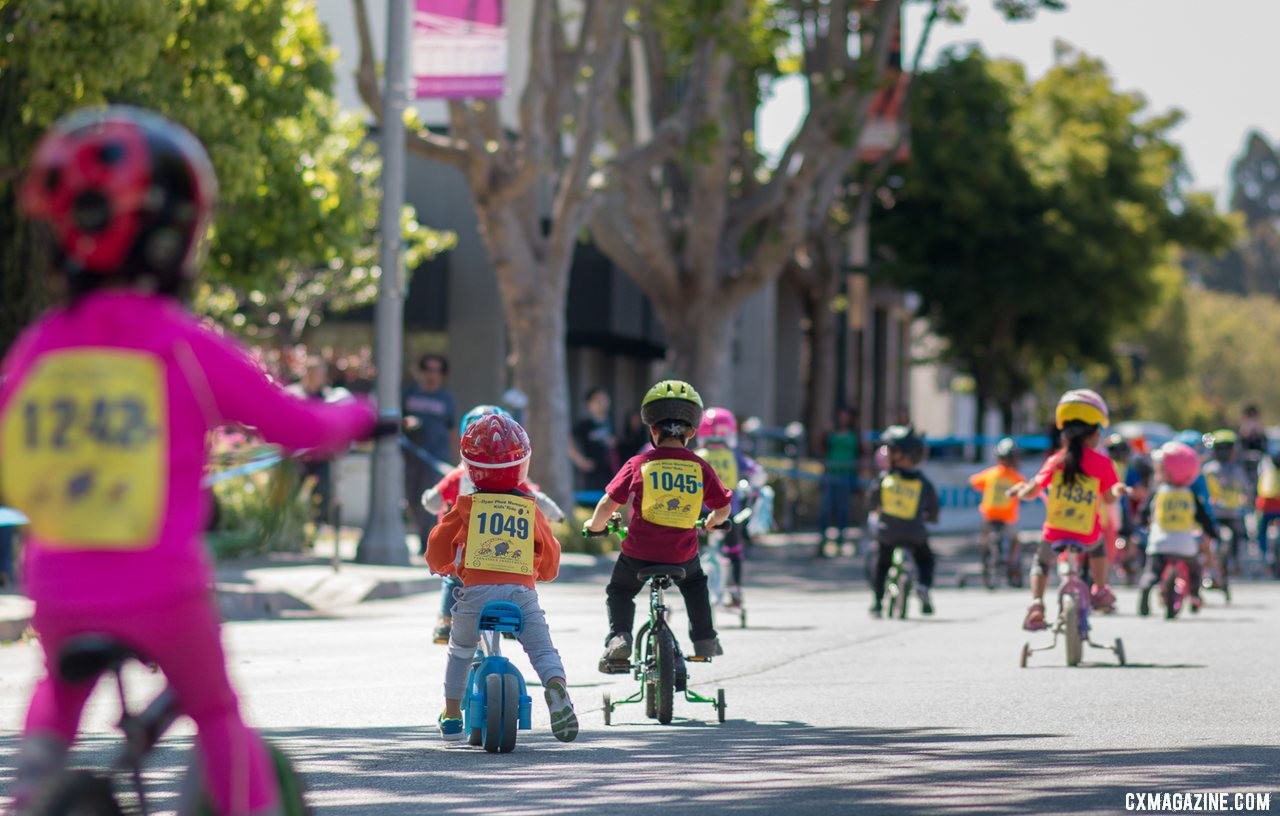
(657, 662)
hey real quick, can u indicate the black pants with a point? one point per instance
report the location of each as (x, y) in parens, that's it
(884, 559)
(1157, 563)
(624, 586)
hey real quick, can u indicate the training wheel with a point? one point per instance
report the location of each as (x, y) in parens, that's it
(608, 710)
(720, 706)
(1026, 655)
(1119, 649)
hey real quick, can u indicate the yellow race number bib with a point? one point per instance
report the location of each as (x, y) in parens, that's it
(996, 496)
(672, 492)
(1226, 496)
(900, 497)
(86, 448)
(1073, 508)
(724, 463)
(500, 534)
(1175, 511)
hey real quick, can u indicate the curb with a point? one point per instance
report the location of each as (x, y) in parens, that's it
(245, 603)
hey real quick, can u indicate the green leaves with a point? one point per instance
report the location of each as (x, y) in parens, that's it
(253, 79)
(1034, 215)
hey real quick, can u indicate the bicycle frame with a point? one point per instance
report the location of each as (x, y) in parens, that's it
(1073, 586)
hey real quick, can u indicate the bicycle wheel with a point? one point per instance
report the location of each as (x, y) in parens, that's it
(292, 790)
(649, 667)
(720, 706)
(76, 793)
(905, 585)
(1169, 592)
(1071, 625)
(608, 710)
(990, 562)
(666, 674)
(501, 713)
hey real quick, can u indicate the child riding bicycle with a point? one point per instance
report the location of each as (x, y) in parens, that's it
(718, 433)
(1175, 517)
(999, 510)
(903, 500)
(498, 543)
(439, 499)
(1076, 481)
(668, 487)
(1229, 487)
(106, 405)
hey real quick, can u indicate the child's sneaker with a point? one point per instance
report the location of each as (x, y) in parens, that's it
(617, 654)
(926, 604)
(444, 627)
(564, 723)
(1196, 603)
(876, 610)
(450, 728)
(1034, 621)
(707, 649)
(1102, 598)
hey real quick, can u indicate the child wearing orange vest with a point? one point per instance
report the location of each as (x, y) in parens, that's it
(1000, 510)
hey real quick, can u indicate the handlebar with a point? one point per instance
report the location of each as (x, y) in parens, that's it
(614, 525)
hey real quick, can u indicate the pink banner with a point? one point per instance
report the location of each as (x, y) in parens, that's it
(459, 49)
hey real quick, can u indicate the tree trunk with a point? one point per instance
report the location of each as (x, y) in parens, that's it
(820, 385)
(1006, 416)
(538, 337)
(699, 335)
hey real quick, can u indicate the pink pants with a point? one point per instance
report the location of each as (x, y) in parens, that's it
(183, 638)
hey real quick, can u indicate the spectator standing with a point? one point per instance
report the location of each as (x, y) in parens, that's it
(431, 418)
(592, 445)
(842, 450)
(315, 385)
(634, 437)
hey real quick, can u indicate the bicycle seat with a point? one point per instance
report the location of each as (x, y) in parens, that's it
(87, 656)
(501, 616)
(672, 571)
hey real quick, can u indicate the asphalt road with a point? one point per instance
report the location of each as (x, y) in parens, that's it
(829, 712)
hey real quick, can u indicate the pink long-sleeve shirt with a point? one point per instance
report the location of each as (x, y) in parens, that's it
(105, 409)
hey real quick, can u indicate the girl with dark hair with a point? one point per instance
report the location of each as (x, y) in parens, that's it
(1076, 481)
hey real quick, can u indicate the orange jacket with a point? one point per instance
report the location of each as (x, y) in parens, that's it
(992, 484)
(448, 541)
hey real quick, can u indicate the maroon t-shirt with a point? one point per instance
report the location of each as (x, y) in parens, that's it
(667, 487)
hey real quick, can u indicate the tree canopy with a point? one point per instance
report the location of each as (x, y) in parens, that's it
(1032, 216)
(253, 79)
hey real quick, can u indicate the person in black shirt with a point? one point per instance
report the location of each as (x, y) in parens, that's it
(592, 446)
(431, 416)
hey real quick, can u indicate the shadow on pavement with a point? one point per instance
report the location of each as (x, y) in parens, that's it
(739, 767)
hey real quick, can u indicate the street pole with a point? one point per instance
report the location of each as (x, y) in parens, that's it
(383, 541)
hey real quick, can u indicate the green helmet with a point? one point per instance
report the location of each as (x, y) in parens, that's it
(674, 400)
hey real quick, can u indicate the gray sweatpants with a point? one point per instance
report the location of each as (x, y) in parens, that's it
(465, 634)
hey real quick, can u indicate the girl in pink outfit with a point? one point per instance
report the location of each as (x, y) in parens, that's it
(105, 409)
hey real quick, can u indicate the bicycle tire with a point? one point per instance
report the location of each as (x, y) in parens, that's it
(1071, 625)
(666, 675)
(990, 562)
(905, 585)
(1169, 592)
(76, 793)
(648, 667)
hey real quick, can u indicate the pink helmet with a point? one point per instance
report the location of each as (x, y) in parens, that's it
(718, 425)
(1179, 462)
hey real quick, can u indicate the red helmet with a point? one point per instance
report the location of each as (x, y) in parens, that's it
(718, 425)
(496, 451)
(125, 192)
(1179, 462)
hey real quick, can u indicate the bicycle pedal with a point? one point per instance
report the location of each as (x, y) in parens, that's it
(696, 659)
(615, 667)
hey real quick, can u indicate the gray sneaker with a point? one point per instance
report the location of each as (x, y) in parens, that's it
(707, 649)
(618, 647)
(564, 723)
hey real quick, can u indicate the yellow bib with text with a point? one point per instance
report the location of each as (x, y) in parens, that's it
(500, 534)
(1073, 508)
(724, 463)
(1175, 511)
(900, 497)
(672, 493)
(996, 496)
(1226, 496)
(86, 449)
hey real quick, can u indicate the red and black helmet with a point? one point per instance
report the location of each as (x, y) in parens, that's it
(126, 192)
(496, 451)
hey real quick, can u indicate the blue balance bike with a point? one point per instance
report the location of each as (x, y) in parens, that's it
(496, 702)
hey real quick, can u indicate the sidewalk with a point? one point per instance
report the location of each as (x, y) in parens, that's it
(288, 585)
